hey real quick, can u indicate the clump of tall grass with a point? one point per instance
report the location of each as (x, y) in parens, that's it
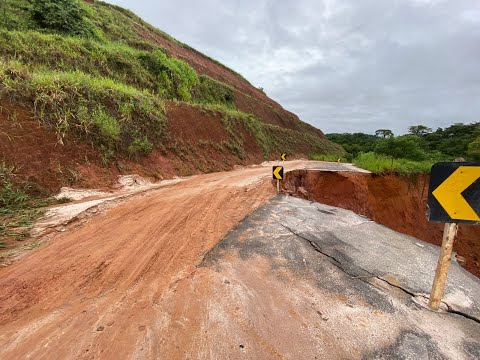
(328, 157)
(18, 209)
(380, 164)
(11, 199)
(109, 114)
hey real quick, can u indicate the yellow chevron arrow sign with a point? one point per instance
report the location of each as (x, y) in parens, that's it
(454, 197)
(284, 157)
(449, 193)
(278, 172)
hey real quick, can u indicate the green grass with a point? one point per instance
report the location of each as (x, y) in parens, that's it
(328, 157)
(211, 91)
(112, 48)
(11, 199)
(271, 139)
(150, 70)
(290, 141)
(108, 114)
(18, 209)
(382, 164)
(107, 84)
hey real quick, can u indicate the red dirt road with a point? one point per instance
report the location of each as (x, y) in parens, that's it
(93, 291)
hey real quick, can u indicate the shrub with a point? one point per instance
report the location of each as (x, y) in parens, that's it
(175, 77)
(140, 147)
(64, 16)
(401, 147)
(474, 149)
(108, 126)
(104, 112)
(211, 91)
(380, 163)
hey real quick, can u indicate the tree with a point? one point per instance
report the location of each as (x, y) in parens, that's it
(419, 130)
(454, 140)
(354, 143)
(401, 147)
(384, 133)
(474, 149)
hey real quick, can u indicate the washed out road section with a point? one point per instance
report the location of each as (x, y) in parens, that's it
(95, 291)
(303, 280)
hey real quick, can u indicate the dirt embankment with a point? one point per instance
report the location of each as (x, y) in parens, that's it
(399, 202)
(196, 143)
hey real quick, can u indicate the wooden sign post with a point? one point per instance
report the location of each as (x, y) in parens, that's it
(277, 174)
(443, 264)
(453, 199)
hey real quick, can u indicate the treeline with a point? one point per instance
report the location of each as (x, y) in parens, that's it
(420, 144)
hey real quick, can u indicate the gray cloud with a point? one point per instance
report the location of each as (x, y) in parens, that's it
(342, 65)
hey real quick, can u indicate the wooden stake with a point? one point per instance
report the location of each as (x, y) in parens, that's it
(438, 288)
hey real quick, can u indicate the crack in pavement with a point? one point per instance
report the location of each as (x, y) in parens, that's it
(336, 262)
(364, 279)
(405, 290)
(456, 312)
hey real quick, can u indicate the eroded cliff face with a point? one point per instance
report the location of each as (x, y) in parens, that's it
(398, 202)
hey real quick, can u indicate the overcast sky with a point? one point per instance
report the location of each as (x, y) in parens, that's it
(342, 65)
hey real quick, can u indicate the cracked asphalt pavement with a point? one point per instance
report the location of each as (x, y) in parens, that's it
(303, 280)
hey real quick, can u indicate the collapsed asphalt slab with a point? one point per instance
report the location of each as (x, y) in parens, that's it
(302, 280)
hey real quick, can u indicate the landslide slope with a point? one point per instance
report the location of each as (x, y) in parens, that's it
(89, 91)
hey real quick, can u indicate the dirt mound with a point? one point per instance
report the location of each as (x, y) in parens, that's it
(398, 202)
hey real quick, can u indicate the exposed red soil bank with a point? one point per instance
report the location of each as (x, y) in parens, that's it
(399, 202)
(196, 143)
(39, 159)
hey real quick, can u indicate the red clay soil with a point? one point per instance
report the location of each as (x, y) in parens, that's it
(197, 138)
(40, 160)
(195, 144)
(398, 202)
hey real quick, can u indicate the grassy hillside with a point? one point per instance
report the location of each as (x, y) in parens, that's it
(97, 73)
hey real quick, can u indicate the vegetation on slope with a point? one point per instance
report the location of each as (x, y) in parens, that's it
(18, 209)
(378, 163)
(100, 39)
(111, 115)
(84, 69)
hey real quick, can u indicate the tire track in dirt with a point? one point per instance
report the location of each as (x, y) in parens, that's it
(94, 291)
